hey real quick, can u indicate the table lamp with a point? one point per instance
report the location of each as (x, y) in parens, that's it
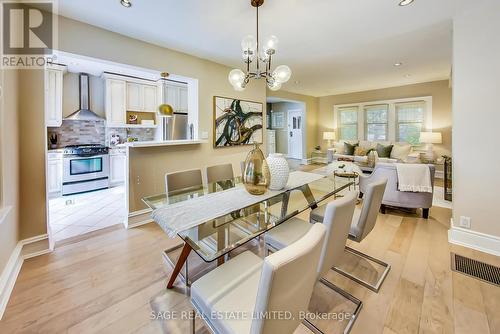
(329, 135)
(430, 138)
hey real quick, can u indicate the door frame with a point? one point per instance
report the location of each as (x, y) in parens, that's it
(302, 133)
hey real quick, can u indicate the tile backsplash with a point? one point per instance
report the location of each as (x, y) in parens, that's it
(79, 132)
(94, 132)
(140, 134)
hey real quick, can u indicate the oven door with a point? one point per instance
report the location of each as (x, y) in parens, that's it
(77, 168)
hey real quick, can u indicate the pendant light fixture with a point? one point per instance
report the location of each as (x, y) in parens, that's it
(261, 59)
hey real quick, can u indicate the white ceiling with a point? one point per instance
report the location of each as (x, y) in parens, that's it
(332, 46)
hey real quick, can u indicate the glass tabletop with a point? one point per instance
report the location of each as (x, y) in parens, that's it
(219, 236)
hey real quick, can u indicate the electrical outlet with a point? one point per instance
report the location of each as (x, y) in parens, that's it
(464, 222)
(138, 180)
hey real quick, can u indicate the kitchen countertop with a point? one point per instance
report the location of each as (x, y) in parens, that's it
(162, 143)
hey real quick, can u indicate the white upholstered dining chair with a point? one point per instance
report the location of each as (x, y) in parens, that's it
(337, 220)
(252, 287)
(182, 180)
(220, 173)
(363, 222)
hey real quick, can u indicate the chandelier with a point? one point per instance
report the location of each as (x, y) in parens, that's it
(261, 59)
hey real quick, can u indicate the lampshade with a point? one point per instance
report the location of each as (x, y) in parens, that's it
(165, 110)
(431, 138)
(329, 135)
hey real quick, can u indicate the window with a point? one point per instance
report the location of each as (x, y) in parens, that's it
(410, 121)
(376, 118)
(348, 123)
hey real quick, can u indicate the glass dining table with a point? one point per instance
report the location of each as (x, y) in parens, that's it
(216, 238)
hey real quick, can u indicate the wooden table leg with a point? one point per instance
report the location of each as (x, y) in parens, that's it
(178, 266)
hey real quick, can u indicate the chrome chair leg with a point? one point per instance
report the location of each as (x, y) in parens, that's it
(378, 284)
(346, 295)
(192, 322)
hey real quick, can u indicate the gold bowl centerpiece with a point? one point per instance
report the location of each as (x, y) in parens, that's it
(256, 176)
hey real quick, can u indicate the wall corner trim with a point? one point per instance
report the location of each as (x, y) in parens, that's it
(9, 274)
(476, 240)
(138, 218)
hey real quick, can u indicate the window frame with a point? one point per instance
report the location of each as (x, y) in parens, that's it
(392, 122)
(397, 122)
(365, 112)
(340, 124)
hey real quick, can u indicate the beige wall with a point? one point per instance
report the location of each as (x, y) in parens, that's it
(32, 154)
(312, 110)
(476, 84)
(148, 165)
(441, 107)
(9, 148)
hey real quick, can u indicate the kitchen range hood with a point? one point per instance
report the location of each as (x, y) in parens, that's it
(84, 113)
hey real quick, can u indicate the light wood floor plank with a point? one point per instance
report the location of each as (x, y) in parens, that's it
(110, 283)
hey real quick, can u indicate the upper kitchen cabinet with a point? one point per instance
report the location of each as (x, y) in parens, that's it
(116, 101)
(176, 94)
(141, 97)
(54, 95)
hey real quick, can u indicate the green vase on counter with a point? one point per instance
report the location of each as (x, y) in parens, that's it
(256, 176)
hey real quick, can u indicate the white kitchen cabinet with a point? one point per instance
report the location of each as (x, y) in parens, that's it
(149, 94)
(134, 97)
(116, 100)
(141, 98)
(54, 176)
(177, 96)
(53, 97)
(183, 99)
(117, 168)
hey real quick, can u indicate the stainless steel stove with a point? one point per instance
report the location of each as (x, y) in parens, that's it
(85, 168)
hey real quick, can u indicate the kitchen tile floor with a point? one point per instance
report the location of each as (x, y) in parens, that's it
(73, 215)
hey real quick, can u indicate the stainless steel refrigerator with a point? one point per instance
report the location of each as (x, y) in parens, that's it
(175, 127)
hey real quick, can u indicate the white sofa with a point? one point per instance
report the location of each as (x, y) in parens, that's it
(401, 152)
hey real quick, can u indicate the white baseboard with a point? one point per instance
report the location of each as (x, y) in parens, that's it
(476, 240)
(25, 249)
(138, 218)
(306, 161)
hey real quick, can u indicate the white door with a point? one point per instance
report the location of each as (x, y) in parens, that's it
(115, 102)
(134, 97)
(149, 98)
(53, 97)
(295, 126)
(117, 169)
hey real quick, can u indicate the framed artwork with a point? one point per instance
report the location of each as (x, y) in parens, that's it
(237, 122)
(278, 121)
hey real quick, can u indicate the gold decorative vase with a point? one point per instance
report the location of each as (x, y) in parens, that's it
(256, 176)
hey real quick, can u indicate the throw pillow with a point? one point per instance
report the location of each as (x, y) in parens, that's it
(349, 148)
(339, 147)
(384, 151)
(400, 152)
(360, 151)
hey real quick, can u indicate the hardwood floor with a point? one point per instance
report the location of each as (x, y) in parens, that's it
(110, 282)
